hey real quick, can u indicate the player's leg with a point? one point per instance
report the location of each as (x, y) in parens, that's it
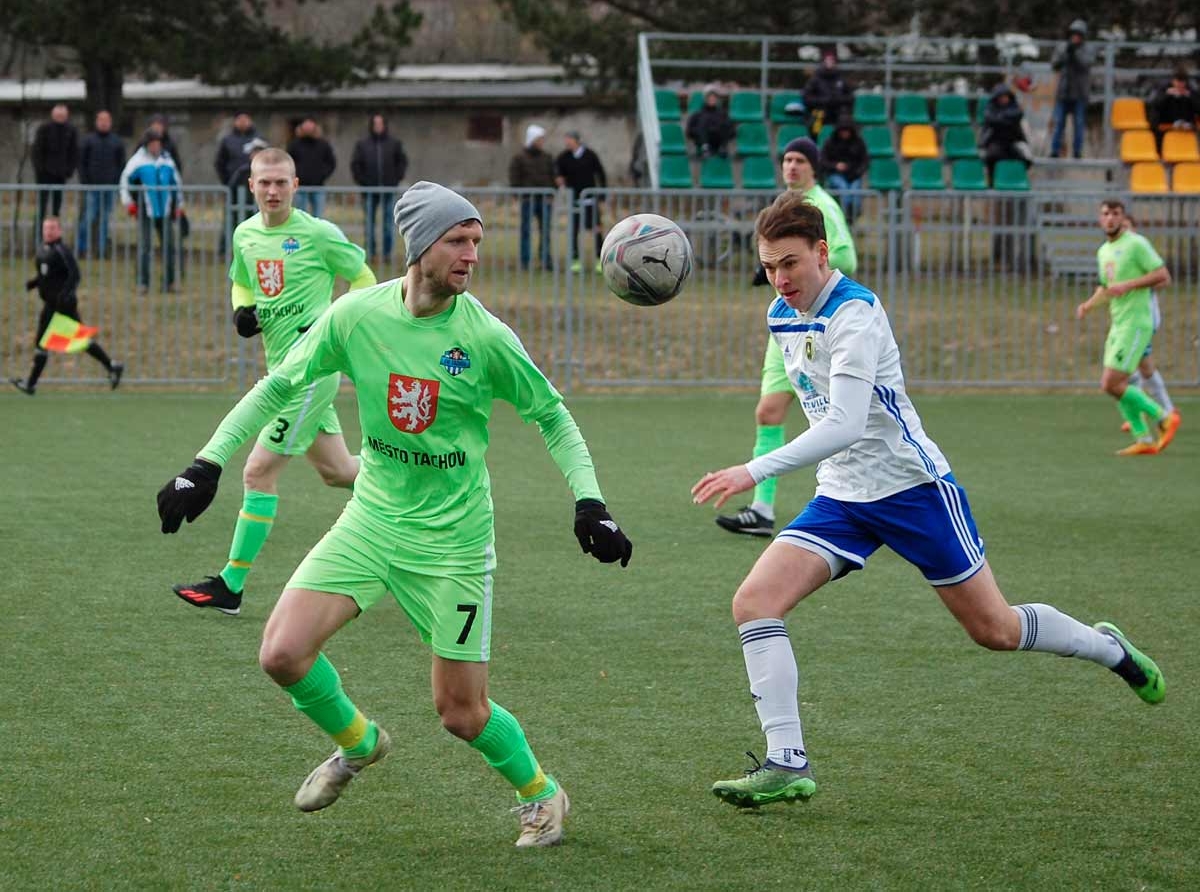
(332, 460)
(775, 396)
(1123, 351)
(1150, 379)
(342, 576)
(29, 384)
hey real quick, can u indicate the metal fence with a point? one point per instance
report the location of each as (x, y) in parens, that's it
(980, 287)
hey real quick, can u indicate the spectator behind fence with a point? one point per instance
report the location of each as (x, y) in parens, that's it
(1174, 106)
(1072, 60)
(378, 161)
(315, 163)
(843, 163)
(710, 128)
(242, 206)
(101, 160)
(533, 168)
(233, 151)
(579, 168)
(1002, 136)
(55, 155)
(158, 126)
(157, 205)
(827, 94)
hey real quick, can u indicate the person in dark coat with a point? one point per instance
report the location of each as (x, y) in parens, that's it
(710, 129)
(378, 164)
(578, 168)
(1072, 59)
(101, 160)
(843, 163)
(232, 152)
(827, 95)
(315, 163)
(1174, 106)
(55, 156)
(1003, 133)
(533, 168)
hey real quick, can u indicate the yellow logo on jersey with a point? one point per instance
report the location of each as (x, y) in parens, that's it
(810, 347)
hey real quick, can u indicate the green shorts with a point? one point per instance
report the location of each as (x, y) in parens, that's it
(447, 597)
(309, 413)
(774, 375)
(1125, 346)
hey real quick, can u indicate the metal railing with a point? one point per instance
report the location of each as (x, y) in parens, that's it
(980, 288)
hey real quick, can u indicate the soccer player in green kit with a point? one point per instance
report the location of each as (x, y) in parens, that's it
(283, 267)
(427, 361)
(1129, 269)
(800, 159)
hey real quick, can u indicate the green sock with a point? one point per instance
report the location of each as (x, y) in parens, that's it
(1133, 404)
(253, 526)
(769, 437)
(504, 747)
(319, 696)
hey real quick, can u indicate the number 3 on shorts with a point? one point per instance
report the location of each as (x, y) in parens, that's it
(470, 610)
(281, 426)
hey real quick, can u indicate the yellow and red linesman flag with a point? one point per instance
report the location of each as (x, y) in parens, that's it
(67, 335)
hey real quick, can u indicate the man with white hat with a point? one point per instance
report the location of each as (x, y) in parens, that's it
(533, 168)
(427, 361)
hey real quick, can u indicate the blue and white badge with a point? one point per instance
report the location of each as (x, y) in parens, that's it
(290, 245)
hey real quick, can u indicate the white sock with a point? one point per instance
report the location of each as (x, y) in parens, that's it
(774, 679)
(1046, 629)
(767, 511)
(1156, 387)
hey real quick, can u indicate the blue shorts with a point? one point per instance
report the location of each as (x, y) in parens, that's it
(929, 525)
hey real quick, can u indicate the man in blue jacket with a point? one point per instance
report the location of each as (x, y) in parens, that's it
(159, 202)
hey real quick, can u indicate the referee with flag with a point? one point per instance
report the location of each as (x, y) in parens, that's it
(56, 280)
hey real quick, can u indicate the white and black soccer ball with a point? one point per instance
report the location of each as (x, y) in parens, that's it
(646, 259)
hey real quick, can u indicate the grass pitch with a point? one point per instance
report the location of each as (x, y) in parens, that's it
(143, 748)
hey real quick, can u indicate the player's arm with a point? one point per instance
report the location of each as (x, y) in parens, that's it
(842, 255)
(245, 311)
(517, 380)
(315, 355)
(346, 259)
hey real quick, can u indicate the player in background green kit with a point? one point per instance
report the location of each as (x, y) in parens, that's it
(1129, 269)
(427, 360)
(283, 267)
(799, 164)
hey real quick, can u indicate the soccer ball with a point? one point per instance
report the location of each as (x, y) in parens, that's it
(646, 259)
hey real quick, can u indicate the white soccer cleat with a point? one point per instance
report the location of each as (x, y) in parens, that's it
(542, 820)
(327, 781)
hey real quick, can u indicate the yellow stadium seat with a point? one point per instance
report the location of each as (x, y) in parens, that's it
(1138, 145)
(1148, 177)
(1180, 145)
(1129, 113)
(918, 141)
(1186, 178)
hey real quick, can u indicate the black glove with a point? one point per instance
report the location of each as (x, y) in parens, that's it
(245, 319)
(188, 494)
(599, 535)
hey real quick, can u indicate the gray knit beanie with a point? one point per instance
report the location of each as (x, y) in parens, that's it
(426, 212)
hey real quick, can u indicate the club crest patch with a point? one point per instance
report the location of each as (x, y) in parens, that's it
(810, 347)
(412, 403)
(290, 246)
(456, 361)
(270, 277)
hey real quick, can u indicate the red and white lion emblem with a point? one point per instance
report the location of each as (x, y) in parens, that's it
(270, 277)
(412, 403)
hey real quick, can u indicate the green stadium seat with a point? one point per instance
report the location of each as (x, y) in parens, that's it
(758, 172)
(960, 142)
(778, 107)
(666, 103)
(786, 134)
(911, 108)
(926, 173)
(1010, 175)
(823, 136)
(674, 172)
(870, 108)
(884, 174)
(716, 173)
(968, 175)
(879, 142)
(752, 139)
(950, 110)
(746, 106)
(672, 141)
(695, 102)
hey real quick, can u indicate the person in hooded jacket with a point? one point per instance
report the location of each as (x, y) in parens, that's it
(843, 162)
(378, 164)
(1072, 59)
(827, 94)
(1003, 134)
(315, 163)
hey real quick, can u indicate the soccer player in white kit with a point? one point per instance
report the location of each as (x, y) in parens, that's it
(880, 481)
